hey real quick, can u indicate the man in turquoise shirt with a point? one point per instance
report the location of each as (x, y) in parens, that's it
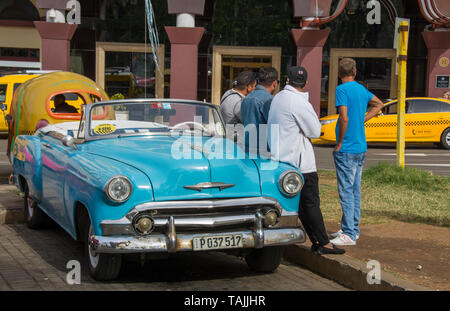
(352, 100)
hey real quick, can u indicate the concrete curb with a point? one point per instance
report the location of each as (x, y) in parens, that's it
(345, 270)
(11, 205)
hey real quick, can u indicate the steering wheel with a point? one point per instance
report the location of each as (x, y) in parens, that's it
(191, 123)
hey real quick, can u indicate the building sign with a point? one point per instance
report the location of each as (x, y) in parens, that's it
(442, 82)
(444, 62)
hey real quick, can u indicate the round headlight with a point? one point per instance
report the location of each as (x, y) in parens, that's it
(291, 183)
(118, 189)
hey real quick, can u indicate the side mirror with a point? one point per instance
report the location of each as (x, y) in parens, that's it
(68, 141)
(3, 107)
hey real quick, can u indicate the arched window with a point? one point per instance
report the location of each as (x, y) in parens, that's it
(22, 10)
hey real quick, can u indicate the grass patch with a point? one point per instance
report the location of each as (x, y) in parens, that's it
(409, 178)
(391, 193)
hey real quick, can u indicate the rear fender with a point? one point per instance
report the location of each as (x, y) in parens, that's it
(26, 163)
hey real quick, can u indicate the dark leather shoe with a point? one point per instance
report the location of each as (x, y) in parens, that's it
(325, 250)
(314, 248)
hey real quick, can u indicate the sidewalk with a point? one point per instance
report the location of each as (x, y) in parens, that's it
(414, 252)
(417, 252)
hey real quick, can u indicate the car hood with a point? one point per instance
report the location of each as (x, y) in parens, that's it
(172, 163)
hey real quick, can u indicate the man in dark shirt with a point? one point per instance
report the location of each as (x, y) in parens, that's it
(62, 107)
(255, 109)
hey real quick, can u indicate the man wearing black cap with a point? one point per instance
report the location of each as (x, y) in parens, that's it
(292, 118)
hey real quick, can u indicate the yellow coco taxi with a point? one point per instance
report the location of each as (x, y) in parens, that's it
(426, 120)
(49, 99)
(8, 85)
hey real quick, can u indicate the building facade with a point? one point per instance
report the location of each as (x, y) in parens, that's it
(112, 44)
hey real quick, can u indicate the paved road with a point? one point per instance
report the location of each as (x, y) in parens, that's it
(423, 156)
(36, 260)
(5, 167)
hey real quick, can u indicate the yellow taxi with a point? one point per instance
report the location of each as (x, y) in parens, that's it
(35, 103)
(8, 85)
(120, 81)
(426, 120)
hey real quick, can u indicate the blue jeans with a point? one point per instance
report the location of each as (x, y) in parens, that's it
(348, 171)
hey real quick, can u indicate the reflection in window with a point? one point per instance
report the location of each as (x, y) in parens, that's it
(3, 88)
(422, 105)
(392, 108)
(444, 107)
(129, 75)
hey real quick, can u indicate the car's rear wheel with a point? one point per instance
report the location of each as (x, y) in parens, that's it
(266, 259)
(35, 218)
(102, 267)
(445, 139)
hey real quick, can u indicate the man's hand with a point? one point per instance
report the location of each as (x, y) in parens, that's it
(337, 147)
(375, 106)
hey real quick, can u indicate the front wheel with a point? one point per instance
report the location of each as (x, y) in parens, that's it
(445, 139)
(102, 267)
(266, 259)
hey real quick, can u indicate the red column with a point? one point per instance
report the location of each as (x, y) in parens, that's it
(184, 61)
(438, 44)
(55, 44)
(309, 55)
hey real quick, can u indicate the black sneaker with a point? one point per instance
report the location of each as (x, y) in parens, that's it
(325, 250)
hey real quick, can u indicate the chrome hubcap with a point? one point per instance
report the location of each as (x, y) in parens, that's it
(447, 138)
(30, 208)
(93, 256)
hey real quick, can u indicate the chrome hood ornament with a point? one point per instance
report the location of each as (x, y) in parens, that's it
(209, 185)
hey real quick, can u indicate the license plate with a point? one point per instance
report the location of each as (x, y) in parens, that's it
(217, 242)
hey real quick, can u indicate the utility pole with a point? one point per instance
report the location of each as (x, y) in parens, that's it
(402, 58)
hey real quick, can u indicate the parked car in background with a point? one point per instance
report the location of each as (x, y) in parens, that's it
(426, 120)
(164, 179)
(8, 85)
(120, 80)
(34, 103)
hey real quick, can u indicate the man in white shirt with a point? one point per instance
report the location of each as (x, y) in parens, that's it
(293, 116)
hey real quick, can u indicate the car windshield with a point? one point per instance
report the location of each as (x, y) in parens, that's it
(153, 118)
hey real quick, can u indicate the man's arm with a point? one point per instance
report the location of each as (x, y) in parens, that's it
(343, 122)
(307, 120)
(375, 106)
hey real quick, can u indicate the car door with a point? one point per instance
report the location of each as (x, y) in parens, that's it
(424, 121)
(383, 127)
(54, 157)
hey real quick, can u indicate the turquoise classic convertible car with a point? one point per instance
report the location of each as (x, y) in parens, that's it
(156, 177)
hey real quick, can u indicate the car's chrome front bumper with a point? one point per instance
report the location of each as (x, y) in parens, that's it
(183, 242)
(179, 222)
